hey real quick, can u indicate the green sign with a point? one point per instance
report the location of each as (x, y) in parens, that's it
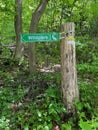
(40, 37)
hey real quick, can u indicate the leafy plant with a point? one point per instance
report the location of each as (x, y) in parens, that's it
(4, 123)
(89, 124)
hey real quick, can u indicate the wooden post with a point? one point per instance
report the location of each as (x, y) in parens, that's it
(69, 86)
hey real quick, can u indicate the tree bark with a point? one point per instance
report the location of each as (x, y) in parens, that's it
(69, 87)
(18, 28)
(33, 28)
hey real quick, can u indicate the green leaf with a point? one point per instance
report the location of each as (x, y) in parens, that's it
(47, 128)
(26, 128)
(7, 128)
(39, 113)
(85, 125)
(66, 126)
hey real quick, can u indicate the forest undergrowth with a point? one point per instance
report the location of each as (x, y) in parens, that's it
(33, 102)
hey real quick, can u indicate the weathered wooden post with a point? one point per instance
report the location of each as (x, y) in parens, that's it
(69, 86)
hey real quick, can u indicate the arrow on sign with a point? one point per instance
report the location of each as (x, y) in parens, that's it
(54, 37)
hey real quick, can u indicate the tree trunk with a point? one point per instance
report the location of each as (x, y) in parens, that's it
(33, 27)
(18, 28)
(69, 87)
